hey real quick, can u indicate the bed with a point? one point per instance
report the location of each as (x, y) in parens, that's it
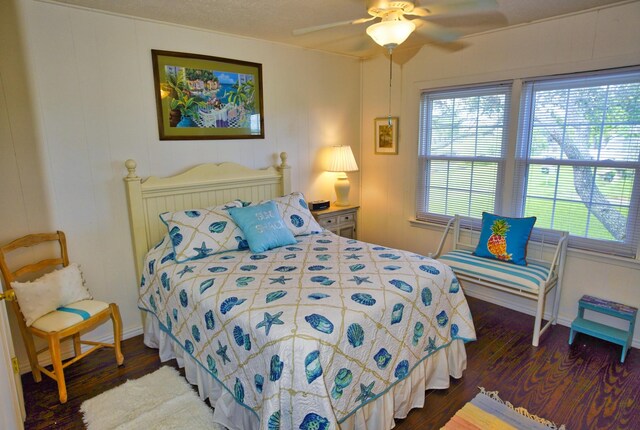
(324, 333)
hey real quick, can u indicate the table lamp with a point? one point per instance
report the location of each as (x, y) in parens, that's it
(342, 161)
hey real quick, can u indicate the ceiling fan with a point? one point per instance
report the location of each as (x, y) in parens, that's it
(394, 28)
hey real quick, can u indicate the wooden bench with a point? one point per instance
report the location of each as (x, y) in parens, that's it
(546, 253)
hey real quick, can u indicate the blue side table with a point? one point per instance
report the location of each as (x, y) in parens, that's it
(602, 331)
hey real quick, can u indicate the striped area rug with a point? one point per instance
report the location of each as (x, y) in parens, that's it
(488, 412)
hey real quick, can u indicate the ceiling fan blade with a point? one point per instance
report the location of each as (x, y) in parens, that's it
(419, 11)
(455, 7)
(306, 30)
(435, 31)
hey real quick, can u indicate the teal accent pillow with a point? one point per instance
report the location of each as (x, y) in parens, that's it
(504, 238)
(263, 226)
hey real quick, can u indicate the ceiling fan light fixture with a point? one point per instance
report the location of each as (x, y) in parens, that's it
(391, 33)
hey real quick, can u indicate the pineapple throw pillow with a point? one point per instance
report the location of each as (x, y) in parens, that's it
(504, 238)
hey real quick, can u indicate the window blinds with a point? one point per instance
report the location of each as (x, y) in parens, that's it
(461, 153)
(578, 158)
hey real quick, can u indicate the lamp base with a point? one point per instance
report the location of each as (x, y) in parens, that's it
(342, 188)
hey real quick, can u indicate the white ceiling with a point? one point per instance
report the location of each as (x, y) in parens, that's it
(275, 20)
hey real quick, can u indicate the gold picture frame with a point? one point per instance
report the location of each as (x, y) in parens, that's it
(386, 135)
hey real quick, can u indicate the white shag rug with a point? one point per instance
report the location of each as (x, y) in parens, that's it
(160, 400)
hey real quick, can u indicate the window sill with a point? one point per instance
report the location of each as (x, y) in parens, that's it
(426, 224)
(614, 260)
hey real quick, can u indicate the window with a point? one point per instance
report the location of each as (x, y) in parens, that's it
(578, 158)
(462, 147)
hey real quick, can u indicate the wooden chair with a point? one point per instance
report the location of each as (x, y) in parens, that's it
(100, 311)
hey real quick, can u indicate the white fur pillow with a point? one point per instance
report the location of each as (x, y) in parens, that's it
(47, 293)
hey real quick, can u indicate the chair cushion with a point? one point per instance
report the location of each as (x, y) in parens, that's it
(531, 277)
(67, 316)
(50, 291)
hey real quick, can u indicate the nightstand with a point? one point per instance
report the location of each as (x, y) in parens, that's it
(341, 220)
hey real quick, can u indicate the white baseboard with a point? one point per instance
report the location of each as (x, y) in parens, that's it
(67, 348)
(488, 295)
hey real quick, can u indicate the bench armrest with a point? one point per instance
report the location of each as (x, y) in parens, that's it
(444, 237)
(557, 263)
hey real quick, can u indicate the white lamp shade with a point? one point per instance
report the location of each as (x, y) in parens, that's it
(390, 33)
(342, 160)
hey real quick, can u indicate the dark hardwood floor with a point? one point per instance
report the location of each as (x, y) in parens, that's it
(583, 386)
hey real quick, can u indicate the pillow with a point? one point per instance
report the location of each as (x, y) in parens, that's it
(198, 233)
(504, 238)
(262, 226)
(296, 215)
(47, 293)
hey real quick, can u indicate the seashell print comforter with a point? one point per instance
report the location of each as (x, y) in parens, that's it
(304, 335)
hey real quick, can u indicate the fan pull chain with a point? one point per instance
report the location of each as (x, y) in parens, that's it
(390, 79)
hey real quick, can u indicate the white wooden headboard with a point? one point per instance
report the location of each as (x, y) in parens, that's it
(199, 187)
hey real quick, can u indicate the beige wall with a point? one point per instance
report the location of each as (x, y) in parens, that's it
(24, 202)
(90, 76)
(588, 41)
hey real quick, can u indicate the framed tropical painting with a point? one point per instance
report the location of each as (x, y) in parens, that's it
(203, 97)
(386, 133)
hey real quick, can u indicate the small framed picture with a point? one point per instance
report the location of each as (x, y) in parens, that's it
(386, 132)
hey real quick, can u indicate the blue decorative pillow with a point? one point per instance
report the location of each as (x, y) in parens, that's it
(198, 233)
(263, 226)
(296, 215)
(504, 238)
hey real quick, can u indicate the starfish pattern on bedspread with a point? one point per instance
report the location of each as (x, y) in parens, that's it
(360, 279)
(346, 322)
(280, 280)
(222, 352)
(269, 320)
(366, 392)
(185, 270)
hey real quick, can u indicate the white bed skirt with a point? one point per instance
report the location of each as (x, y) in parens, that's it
(434, 373)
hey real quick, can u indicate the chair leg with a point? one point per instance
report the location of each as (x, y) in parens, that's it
(117, 332)
(56, 360)
(77, 349)
(538, 322)
(31, 353)
(556, 301)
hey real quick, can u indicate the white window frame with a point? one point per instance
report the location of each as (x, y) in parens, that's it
(629, 248)
(424, 150)
(512, 175)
